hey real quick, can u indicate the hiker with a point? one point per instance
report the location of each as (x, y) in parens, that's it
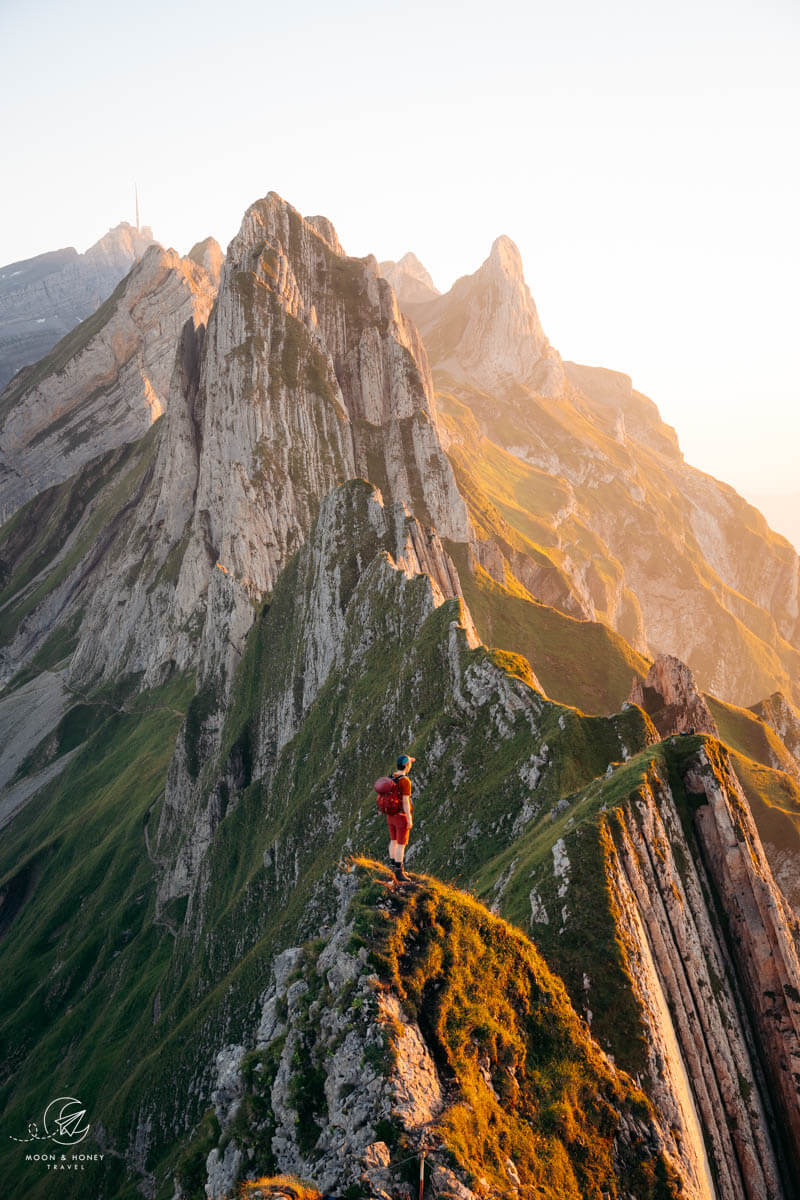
(399, 813)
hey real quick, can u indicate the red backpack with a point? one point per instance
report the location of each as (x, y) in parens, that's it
(389, 800)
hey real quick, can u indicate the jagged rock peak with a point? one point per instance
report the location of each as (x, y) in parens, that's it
(122, 244)
(670, 697)
(413, 267)
(486, 328)
(208, 255)
(326, 231)
(412, 284)
(506, 258)
(308, 375)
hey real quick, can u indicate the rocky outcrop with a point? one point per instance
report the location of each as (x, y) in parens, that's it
(783, 718)
(705, 1075)
(670, 698)
(325, 1124)
(43, 298)
(707, 951)
(105, 383)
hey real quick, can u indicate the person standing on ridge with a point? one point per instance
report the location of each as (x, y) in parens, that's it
(400, 823)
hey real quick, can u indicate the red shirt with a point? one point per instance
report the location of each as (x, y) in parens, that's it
(404, 788)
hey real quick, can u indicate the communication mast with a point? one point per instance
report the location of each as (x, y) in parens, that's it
(136, 190)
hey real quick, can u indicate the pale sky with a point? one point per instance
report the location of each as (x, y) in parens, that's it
(644, 157)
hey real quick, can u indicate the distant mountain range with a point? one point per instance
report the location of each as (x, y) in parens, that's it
(43, 298)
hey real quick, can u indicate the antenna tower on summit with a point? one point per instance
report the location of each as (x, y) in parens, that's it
(136, 190)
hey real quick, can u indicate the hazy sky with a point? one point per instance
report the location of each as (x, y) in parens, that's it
(644, 157)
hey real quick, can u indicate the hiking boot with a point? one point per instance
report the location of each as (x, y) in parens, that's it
(400, 873)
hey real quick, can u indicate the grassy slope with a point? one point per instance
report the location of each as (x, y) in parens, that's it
(581, 663)
(749, 735)
(486, 1002)
(82, 958)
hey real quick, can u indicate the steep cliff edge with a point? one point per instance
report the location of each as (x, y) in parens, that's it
(105, 383)
(701, 1003)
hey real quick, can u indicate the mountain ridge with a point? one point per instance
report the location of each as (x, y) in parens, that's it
(243, 614)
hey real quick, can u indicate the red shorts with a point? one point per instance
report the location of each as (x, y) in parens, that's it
(398, 828)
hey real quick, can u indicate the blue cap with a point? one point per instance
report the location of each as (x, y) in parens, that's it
(403, 761)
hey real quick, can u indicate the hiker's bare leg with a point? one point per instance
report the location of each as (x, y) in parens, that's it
(393, 848)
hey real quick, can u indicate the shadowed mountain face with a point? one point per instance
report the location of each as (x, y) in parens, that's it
(579, 491)
(43, 298)
(231, 622)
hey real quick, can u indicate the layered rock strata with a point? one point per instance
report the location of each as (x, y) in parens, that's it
(762, 936)
(705, 1072)
(105, 383)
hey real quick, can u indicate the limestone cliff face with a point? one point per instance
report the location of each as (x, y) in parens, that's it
(763, 936)
(308, 375)
(43, 298)
(676, 956)
(360, 559)
(572, 468)
(105, 383)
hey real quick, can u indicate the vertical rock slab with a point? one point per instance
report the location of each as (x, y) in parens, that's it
(762, 933)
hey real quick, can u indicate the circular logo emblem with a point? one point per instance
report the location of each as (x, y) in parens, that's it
(65, 1121)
